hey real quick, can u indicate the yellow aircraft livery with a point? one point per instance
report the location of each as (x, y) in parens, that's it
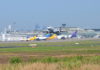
(54, 36)
(32, 38)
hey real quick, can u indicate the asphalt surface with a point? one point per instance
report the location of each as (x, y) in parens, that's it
(96, 39)
(42, 41)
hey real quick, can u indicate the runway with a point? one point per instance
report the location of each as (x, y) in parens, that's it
(66, 40)
(46, 41)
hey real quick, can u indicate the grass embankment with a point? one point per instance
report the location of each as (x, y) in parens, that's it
(52, 63)
(42, 62)
(44, 66)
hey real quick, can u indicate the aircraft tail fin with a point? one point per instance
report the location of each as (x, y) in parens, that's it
(32, 38)
(74, 34)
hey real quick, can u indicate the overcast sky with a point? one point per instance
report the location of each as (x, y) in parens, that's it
(27, 13)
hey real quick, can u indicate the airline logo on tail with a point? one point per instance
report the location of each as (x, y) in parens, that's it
(74, 34)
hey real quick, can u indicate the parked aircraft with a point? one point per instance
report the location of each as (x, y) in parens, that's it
(74, 34)
(45, 37)
(52, 35)
(32, 38)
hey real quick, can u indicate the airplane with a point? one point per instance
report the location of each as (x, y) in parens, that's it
(63, 36)
(53, 34)
(31, 38)
(43, 37)
(73, 35)
(59, 35)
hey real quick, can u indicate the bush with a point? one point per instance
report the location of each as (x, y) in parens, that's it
(15, 60)
(49, 60)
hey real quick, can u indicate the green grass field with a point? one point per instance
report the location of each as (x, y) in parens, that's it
(84, 47)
